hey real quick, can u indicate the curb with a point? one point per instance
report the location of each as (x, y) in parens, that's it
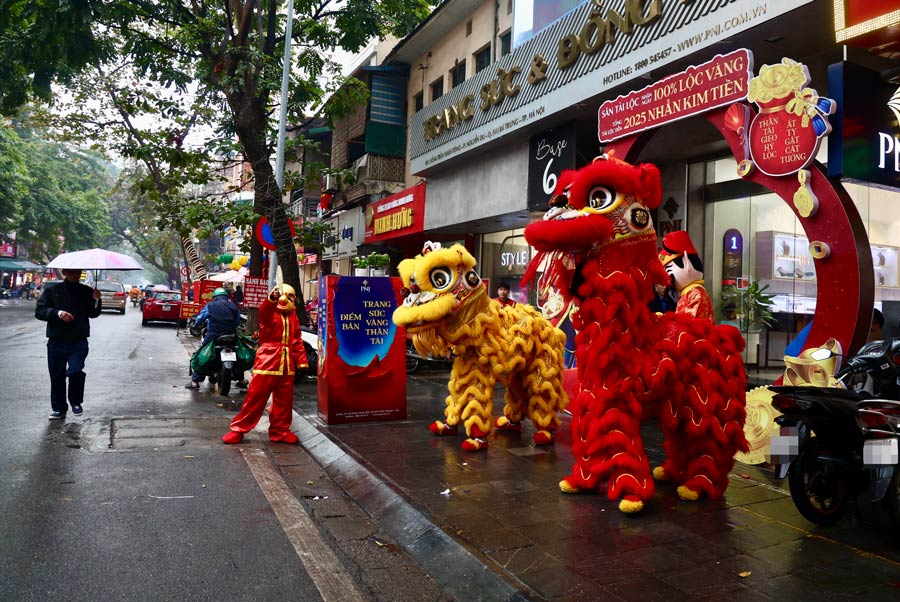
(446, 560)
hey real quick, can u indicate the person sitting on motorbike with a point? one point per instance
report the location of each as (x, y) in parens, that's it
(222, 317)
(134, 293)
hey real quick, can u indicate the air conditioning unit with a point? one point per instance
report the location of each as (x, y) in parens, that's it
(332, 182)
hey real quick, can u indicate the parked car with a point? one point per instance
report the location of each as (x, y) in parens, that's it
(162, 306)
(113, 295)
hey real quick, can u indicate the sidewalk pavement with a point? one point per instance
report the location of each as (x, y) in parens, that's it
(493, 525)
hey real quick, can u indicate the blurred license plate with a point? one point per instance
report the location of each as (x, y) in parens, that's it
(229, 356)
(167, 307)
(880, 452)
(785, 446)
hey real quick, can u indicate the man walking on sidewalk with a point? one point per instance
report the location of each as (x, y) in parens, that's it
(67, 308)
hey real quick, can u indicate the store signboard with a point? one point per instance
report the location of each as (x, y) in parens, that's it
(550, 153)
(396, 215)
(255, 291)
(865, 145)
(698, 89)
(362, 360)
(590, 49)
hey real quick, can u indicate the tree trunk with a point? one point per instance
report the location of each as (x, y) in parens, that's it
(250, 121)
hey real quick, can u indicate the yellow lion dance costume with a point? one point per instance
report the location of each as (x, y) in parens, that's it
(446, 308)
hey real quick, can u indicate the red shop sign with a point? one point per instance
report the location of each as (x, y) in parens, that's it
(396, 215)
(698, 89)
(255, 291)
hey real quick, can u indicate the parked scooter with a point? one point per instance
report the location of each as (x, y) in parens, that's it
(311, 347)
(841, 445)
(224, 368)
(415, 360)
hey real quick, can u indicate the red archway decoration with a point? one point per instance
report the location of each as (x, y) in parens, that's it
(845, 293)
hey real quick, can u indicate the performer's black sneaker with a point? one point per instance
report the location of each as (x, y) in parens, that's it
(77, 409)
(54, 415)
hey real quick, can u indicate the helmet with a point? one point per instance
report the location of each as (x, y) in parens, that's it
(219, 291)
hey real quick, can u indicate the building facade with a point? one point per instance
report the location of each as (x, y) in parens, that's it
(492, 144)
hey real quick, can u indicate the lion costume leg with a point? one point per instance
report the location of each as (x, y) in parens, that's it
(545, 398)
(513, 409)
(704, 428)
(470, 402)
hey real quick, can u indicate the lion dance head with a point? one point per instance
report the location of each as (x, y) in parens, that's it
(441, 292)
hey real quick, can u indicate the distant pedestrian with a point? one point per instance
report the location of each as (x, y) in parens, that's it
(67, 307)
(238, 296)
(503, 295)
(190, 294)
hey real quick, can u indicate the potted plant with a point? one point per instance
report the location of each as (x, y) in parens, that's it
(360, 266)
(378, 262)
(751, 309)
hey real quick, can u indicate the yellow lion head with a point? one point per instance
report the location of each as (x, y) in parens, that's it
(437, 284)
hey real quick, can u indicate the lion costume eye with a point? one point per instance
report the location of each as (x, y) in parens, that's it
(602, 199)
(472, 278)
(441, 278)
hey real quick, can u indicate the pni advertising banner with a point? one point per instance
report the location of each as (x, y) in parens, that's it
(363, 375)
(865, 142)
(698, 89)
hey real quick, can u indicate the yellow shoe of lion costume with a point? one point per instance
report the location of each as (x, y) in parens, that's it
(446, 309)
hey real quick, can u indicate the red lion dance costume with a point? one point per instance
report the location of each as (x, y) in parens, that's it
(597, 245)
(280, 353)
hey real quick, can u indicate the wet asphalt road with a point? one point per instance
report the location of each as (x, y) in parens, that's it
(136, 500)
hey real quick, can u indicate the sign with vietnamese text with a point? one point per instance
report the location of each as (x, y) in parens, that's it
(203, 290)
(256, 290)
(792, 120)
(362, 369)
(189, 310)
(396, 215)
(698, 89)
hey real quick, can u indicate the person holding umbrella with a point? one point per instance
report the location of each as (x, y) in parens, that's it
(67, 308)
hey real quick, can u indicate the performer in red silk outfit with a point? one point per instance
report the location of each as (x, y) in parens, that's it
(280, 353)
(683, 264)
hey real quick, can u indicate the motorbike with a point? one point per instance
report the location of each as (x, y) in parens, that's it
(225, 368)
(311, 347)
(840, 445)
(196, 329)
(415, 360)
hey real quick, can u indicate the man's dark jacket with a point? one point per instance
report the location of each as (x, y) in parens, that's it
(75, 298)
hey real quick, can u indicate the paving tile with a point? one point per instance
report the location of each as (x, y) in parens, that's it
(645, 589)
(495, 539)
(522, 560)
(557, 583)
(605, 570)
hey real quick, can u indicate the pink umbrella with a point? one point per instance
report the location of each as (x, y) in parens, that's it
(94, 259)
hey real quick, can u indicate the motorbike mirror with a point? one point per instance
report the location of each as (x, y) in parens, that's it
(821, 354)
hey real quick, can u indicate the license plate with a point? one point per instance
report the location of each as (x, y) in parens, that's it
(229, 356)
(167, 307)
(784, 446)
(880, 452)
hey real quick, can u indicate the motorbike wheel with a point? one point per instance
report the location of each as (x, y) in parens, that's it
(412, 363)
(224, 380)
(821, 491)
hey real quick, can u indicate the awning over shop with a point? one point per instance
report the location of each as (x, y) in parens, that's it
(8, 264)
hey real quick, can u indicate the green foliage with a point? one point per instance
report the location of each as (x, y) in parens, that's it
(377, 261)
(13, 180)
(752, 306)
(58, 194)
